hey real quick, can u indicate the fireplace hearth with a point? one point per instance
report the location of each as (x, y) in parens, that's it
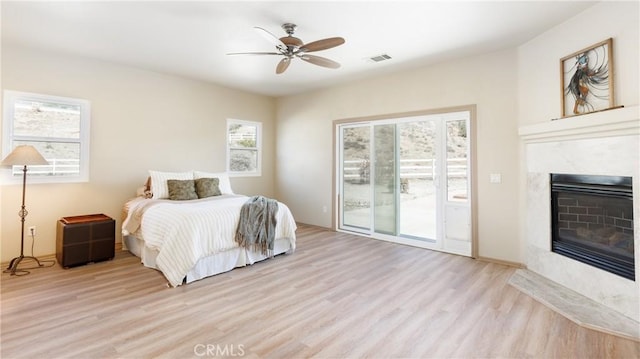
(592, 221)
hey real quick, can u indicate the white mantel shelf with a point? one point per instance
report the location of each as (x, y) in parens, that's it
(622, 121)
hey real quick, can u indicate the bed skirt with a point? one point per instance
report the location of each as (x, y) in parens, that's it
(208, 266)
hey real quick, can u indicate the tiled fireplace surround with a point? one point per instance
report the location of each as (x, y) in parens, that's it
(602, 143)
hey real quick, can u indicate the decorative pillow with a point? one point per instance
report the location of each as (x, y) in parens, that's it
(207, 187)
(159, 182)
(181, 190)
(223, 178)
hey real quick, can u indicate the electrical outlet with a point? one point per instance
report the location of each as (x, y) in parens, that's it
(324, 209)
(32, 230)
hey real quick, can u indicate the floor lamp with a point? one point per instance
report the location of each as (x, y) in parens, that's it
(23, 155)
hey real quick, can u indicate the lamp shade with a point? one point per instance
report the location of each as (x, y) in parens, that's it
(24, 155)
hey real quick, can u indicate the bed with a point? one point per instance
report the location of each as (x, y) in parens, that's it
(191, 238)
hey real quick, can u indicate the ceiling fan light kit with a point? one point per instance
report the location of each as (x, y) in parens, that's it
(292, 47)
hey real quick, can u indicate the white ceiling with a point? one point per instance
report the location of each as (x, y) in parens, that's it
(192, 38)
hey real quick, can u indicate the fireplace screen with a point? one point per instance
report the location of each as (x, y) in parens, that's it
(592, 221)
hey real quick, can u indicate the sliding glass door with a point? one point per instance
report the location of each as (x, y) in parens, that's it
(418, 152)
(355, 177)
(407, 180)
(385, 203)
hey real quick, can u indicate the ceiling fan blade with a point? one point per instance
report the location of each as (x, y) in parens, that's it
(254, 53)
(322, 44)
(320, 61)
(271, 38)
(282, 65)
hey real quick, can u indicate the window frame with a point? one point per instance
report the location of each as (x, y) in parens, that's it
(258, 148)
(10, 97)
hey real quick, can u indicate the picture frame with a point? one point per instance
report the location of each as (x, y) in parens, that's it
(587, 80)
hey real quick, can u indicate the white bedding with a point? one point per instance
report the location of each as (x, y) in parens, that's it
(183, 232)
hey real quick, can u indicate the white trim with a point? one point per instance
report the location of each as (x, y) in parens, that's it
(616, 122)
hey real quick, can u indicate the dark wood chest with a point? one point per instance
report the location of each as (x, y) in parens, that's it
(84, 239)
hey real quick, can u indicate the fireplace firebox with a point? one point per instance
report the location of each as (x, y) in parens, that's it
(592, 221)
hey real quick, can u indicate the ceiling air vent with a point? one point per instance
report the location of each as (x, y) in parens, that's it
(379, 58)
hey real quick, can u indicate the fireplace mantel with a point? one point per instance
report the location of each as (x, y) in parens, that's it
(616, 122)
(599, 143)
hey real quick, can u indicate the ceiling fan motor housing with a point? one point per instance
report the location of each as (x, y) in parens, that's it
(290, 40)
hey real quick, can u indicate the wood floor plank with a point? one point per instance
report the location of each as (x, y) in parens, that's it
(339, 295)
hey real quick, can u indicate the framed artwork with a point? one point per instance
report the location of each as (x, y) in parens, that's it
(587, 80)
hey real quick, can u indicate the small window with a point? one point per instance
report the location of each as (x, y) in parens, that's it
(58, 127)
(244, 148)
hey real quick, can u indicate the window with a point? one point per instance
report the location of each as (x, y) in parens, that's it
(244, 148)
(58, 127)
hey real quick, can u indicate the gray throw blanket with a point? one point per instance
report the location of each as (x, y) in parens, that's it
(257, 226)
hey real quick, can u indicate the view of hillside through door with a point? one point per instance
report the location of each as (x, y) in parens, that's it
(407, 180)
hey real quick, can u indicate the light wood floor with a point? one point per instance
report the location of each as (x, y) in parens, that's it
(338, 296)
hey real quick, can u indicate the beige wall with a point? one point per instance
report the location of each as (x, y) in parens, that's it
(539, 59)
(305, 153)
(141, 120)
(510, 88)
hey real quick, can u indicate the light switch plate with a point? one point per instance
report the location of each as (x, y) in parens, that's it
(495, 178)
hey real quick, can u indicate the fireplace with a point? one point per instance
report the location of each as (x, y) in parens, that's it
(601, 143)
(592, 221)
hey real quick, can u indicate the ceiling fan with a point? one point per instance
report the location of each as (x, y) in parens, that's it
(291, 47)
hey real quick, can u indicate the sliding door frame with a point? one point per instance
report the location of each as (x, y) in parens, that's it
(472, 171)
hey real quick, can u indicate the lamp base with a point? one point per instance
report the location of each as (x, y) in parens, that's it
(13, 266)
